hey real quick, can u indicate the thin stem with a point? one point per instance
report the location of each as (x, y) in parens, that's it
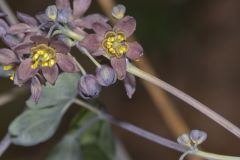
(7, 10)
(151, 136)
(4, 144)
(132, 128)
(51, 30)
(213, 156)
(186, 98)
(85, 51)
(82, 70)
(70, 33)
(184, 155)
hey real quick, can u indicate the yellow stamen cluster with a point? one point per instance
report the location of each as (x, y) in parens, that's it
(115, 44)
(43, 56)
(10, 68)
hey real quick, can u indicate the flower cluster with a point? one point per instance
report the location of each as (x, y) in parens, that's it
(193, 139)
(39, 47)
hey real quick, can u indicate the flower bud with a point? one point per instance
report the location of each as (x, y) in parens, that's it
(198, 136)
(119, 11)
(185, 140)
(52, 12)
(88, 87)
(106, 75)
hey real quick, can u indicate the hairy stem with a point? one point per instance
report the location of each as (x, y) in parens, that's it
(186, 98)
(151, 136)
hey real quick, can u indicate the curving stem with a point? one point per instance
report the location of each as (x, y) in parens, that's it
(186, 98)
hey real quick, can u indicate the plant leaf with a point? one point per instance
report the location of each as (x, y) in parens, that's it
(64, 89)
(68, 148)
(97, 142)
(35, 126)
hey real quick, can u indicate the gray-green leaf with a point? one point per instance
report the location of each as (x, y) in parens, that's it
(98, 141)
(64, 89)
(68, 148)
(36, 126)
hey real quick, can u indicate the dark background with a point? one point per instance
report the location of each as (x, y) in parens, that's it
(194, 45)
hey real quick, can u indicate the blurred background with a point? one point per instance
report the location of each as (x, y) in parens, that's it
(192, 44)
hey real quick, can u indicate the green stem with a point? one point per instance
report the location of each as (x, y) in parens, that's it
(70, 33)
(186, 98)
(214, 156)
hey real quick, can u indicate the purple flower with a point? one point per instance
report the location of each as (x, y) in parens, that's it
(113, 42)
(74, 15)
(45, 55)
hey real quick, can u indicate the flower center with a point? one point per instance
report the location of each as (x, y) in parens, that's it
(43, 56)
(115, 44)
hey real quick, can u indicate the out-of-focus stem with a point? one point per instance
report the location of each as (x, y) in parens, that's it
(171, 116)
(7, 10)
(4, 144)
(11, 95)
(186, 98)
(151, 136)
(132, 128)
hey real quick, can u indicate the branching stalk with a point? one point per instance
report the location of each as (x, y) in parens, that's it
(151, 136)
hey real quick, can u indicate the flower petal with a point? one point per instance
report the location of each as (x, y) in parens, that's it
(10, 41)
(7, 57)
(27, 19)
(39, 39)
(23, 49)
(36, 89)
(80, 7)
(67, 63)
(135, 51)
(19, 28)
(50, 73)
(130, 84)
(25, 71)
(98, 52)
(3, 27)
(127, 25)
(120, 66)
(90, 42)
(63, 4)
(101, 28)
(42, 18)
(88, 21)
(60, 46)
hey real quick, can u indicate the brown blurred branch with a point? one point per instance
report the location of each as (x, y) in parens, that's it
(163, 104)
(11, 95)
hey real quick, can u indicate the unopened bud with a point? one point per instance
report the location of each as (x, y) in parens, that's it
(88, 87)
(52, 12)
(106, 75)
(198, 136)
(185, 140)
(119, 11)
